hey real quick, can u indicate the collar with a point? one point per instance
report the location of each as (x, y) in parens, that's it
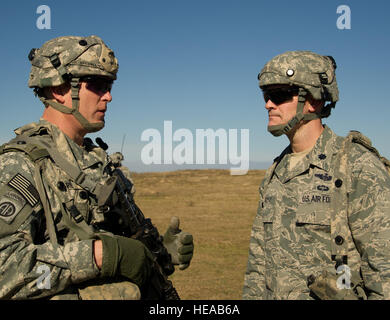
(320, 156)
(70, 150)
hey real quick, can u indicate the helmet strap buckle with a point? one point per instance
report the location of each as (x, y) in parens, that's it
(278, 130)
(56, 62)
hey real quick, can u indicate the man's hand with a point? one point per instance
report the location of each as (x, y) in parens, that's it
(122, 256)
(179, 244)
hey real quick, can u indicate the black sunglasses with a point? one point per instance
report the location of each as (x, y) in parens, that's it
(98, 84)
(280, 95)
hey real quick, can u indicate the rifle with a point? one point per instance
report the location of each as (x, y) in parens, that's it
(140, 228)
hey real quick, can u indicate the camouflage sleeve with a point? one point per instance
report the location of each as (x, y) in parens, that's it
(254, 283)
(31, 268)
(370, 222)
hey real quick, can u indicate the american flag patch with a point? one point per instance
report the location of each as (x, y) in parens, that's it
(26, 189)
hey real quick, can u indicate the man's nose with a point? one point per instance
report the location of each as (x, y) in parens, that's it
(270, 105)
(107, 96)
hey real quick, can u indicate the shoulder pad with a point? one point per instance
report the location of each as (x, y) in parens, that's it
(35, 152)
(358, 137)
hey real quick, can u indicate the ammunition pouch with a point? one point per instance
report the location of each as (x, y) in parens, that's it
(329, 286)
(105, 289)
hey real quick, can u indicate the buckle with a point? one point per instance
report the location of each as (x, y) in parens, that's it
(55, 60)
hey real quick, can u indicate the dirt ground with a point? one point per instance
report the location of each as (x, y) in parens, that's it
(218, 209)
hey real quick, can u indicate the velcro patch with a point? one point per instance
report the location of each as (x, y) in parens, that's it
(26, 189)
(10, 205)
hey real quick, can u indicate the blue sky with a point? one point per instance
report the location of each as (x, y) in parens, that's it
(195, 63)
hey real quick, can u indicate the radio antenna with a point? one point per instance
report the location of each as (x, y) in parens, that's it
(123, 141)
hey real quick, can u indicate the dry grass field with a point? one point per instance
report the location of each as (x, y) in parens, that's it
(218, 209)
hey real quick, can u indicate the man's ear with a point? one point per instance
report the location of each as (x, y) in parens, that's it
(59, 92)
(314, 106)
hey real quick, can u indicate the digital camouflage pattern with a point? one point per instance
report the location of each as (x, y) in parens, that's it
(67, 60)
(109, 290)
(78, 56)
(24, 237)
(291, 235)
(314, 72)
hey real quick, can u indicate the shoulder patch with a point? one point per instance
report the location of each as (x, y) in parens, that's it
(26, 189)
(11, 204)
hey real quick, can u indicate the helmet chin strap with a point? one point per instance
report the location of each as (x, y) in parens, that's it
(88, 126)
(278, 130)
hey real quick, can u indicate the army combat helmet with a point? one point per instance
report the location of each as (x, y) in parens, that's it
(311, 73)
(68, 59)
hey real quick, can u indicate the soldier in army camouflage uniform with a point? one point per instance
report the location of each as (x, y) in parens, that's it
(322, 228)
(55, 241)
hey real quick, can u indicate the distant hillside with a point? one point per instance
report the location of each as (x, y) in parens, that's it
(140, 167)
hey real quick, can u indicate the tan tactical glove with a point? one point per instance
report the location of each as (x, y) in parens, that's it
(179, 244)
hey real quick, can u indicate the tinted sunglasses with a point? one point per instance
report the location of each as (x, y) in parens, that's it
(280, 95)
(98, 84)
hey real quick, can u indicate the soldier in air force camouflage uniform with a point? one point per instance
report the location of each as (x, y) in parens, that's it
(322, 229)
(59, 224)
